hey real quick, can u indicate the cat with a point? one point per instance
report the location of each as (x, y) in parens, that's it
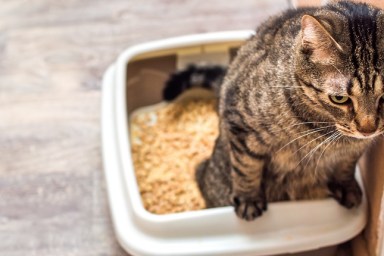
(299, 104)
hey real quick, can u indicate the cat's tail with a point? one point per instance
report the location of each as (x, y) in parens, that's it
(208, 77)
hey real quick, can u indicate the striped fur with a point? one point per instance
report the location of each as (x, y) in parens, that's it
(282, 136)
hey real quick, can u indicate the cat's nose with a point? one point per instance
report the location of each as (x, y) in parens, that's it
(367, 126)
(367, 130)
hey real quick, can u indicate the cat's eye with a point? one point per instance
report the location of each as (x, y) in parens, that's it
(339, 99)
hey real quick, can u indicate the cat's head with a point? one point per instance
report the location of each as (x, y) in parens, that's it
(340, 66)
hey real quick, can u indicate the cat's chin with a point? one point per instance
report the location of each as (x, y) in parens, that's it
(357, 135)
(362, 137)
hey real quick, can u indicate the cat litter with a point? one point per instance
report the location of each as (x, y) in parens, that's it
(168, 141)
(134, 81)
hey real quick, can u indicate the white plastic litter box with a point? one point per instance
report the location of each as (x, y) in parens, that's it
(135, 80)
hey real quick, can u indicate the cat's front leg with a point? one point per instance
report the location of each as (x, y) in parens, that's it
(248, 195)
(344, 187)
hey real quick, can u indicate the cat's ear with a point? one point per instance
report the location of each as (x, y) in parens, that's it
(317, 41)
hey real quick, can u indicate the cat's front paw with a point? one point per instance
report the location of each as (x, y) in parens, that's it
(347, 193)
(248, 208)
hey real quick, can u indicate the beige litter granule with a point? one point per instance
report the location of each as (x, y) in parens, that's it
(167, 144)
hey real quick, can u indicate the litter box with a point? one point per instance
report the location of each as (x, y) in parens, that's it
(136, 80)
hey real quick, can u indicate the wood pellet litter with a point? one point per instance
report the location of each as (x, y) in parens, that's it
(168, 141)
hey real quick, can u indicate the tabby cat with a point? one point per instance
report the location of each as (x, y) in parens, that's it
(298, 106)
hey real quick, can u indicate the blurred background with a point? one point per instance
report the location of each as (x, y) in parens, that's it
(53, 54)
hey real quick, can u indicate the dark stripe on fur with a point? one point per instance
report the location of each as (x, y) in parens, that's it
(236, 118)
(235, 148)
(309, 85)
(331, 109)
(360, 80)
(258, 137)
(237, 129)
(246, 150)
(336, 10)
(236, 151)
(349, 87)
(353, 43)
(267, 128)
(237, 171)
(362, 26)
(374, 41)
(307, 97)
(231, 96)
(255, 155)
(297, 111)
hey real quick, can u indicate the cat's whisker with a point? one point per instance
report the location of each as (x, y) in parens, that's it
(304, 123)
(338, 70)
(310, 123)
(306, 134)
(318, 137)
(310, 131)
(335, 137)
(284, 128)
(293, 133)
(313, 148)
(321, 128)
(313, 151)
(282, 86)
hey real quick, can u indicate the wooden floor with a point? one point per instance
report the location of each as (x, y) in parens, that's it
(52, 56)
